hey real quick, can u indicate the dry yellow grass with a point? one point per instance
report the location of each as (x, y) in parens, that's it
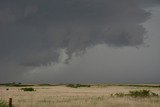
(61, 96)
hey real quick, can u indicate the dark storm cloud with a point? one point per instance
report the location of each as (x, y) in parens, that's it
(33, 31)
(148, 3)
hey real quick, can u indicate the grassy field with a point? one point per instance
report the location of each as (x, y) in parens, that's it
(93, 96)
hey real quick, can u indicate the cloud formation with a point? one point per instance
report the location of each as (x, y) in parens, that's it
(33, 33)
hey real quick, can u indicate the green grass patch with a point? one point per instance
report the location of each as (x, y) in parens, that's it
(3, 104)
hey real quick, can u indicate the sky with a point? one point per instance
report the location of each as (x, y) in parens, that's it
(80, 41)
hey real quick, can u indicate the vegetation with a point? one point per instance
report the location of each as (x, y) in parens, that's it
(45, 85)
(50, 84)
(77, 85)
(3, 104)
(137, 93)
(13, 84)
(140, 85)
(62, 96)
(142, 93)
(130, 85)
(28, 89)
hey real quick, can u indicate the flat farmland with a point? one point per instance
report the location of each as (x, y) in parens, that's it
(94, 96)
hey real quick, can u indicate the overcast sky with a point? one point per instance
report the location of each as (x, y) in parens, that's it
(80, 41)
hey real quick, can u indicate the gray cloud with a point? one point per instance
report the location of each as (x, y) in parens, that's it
(33, 32)
(148, 3)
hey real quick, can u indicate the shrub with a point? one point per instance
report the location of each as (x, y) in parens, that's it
(77, 85)
(154, 94)
(142, 93)
(120, 94)
(28, 89)
(137, 93)
(3, 104)
(71, 85)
